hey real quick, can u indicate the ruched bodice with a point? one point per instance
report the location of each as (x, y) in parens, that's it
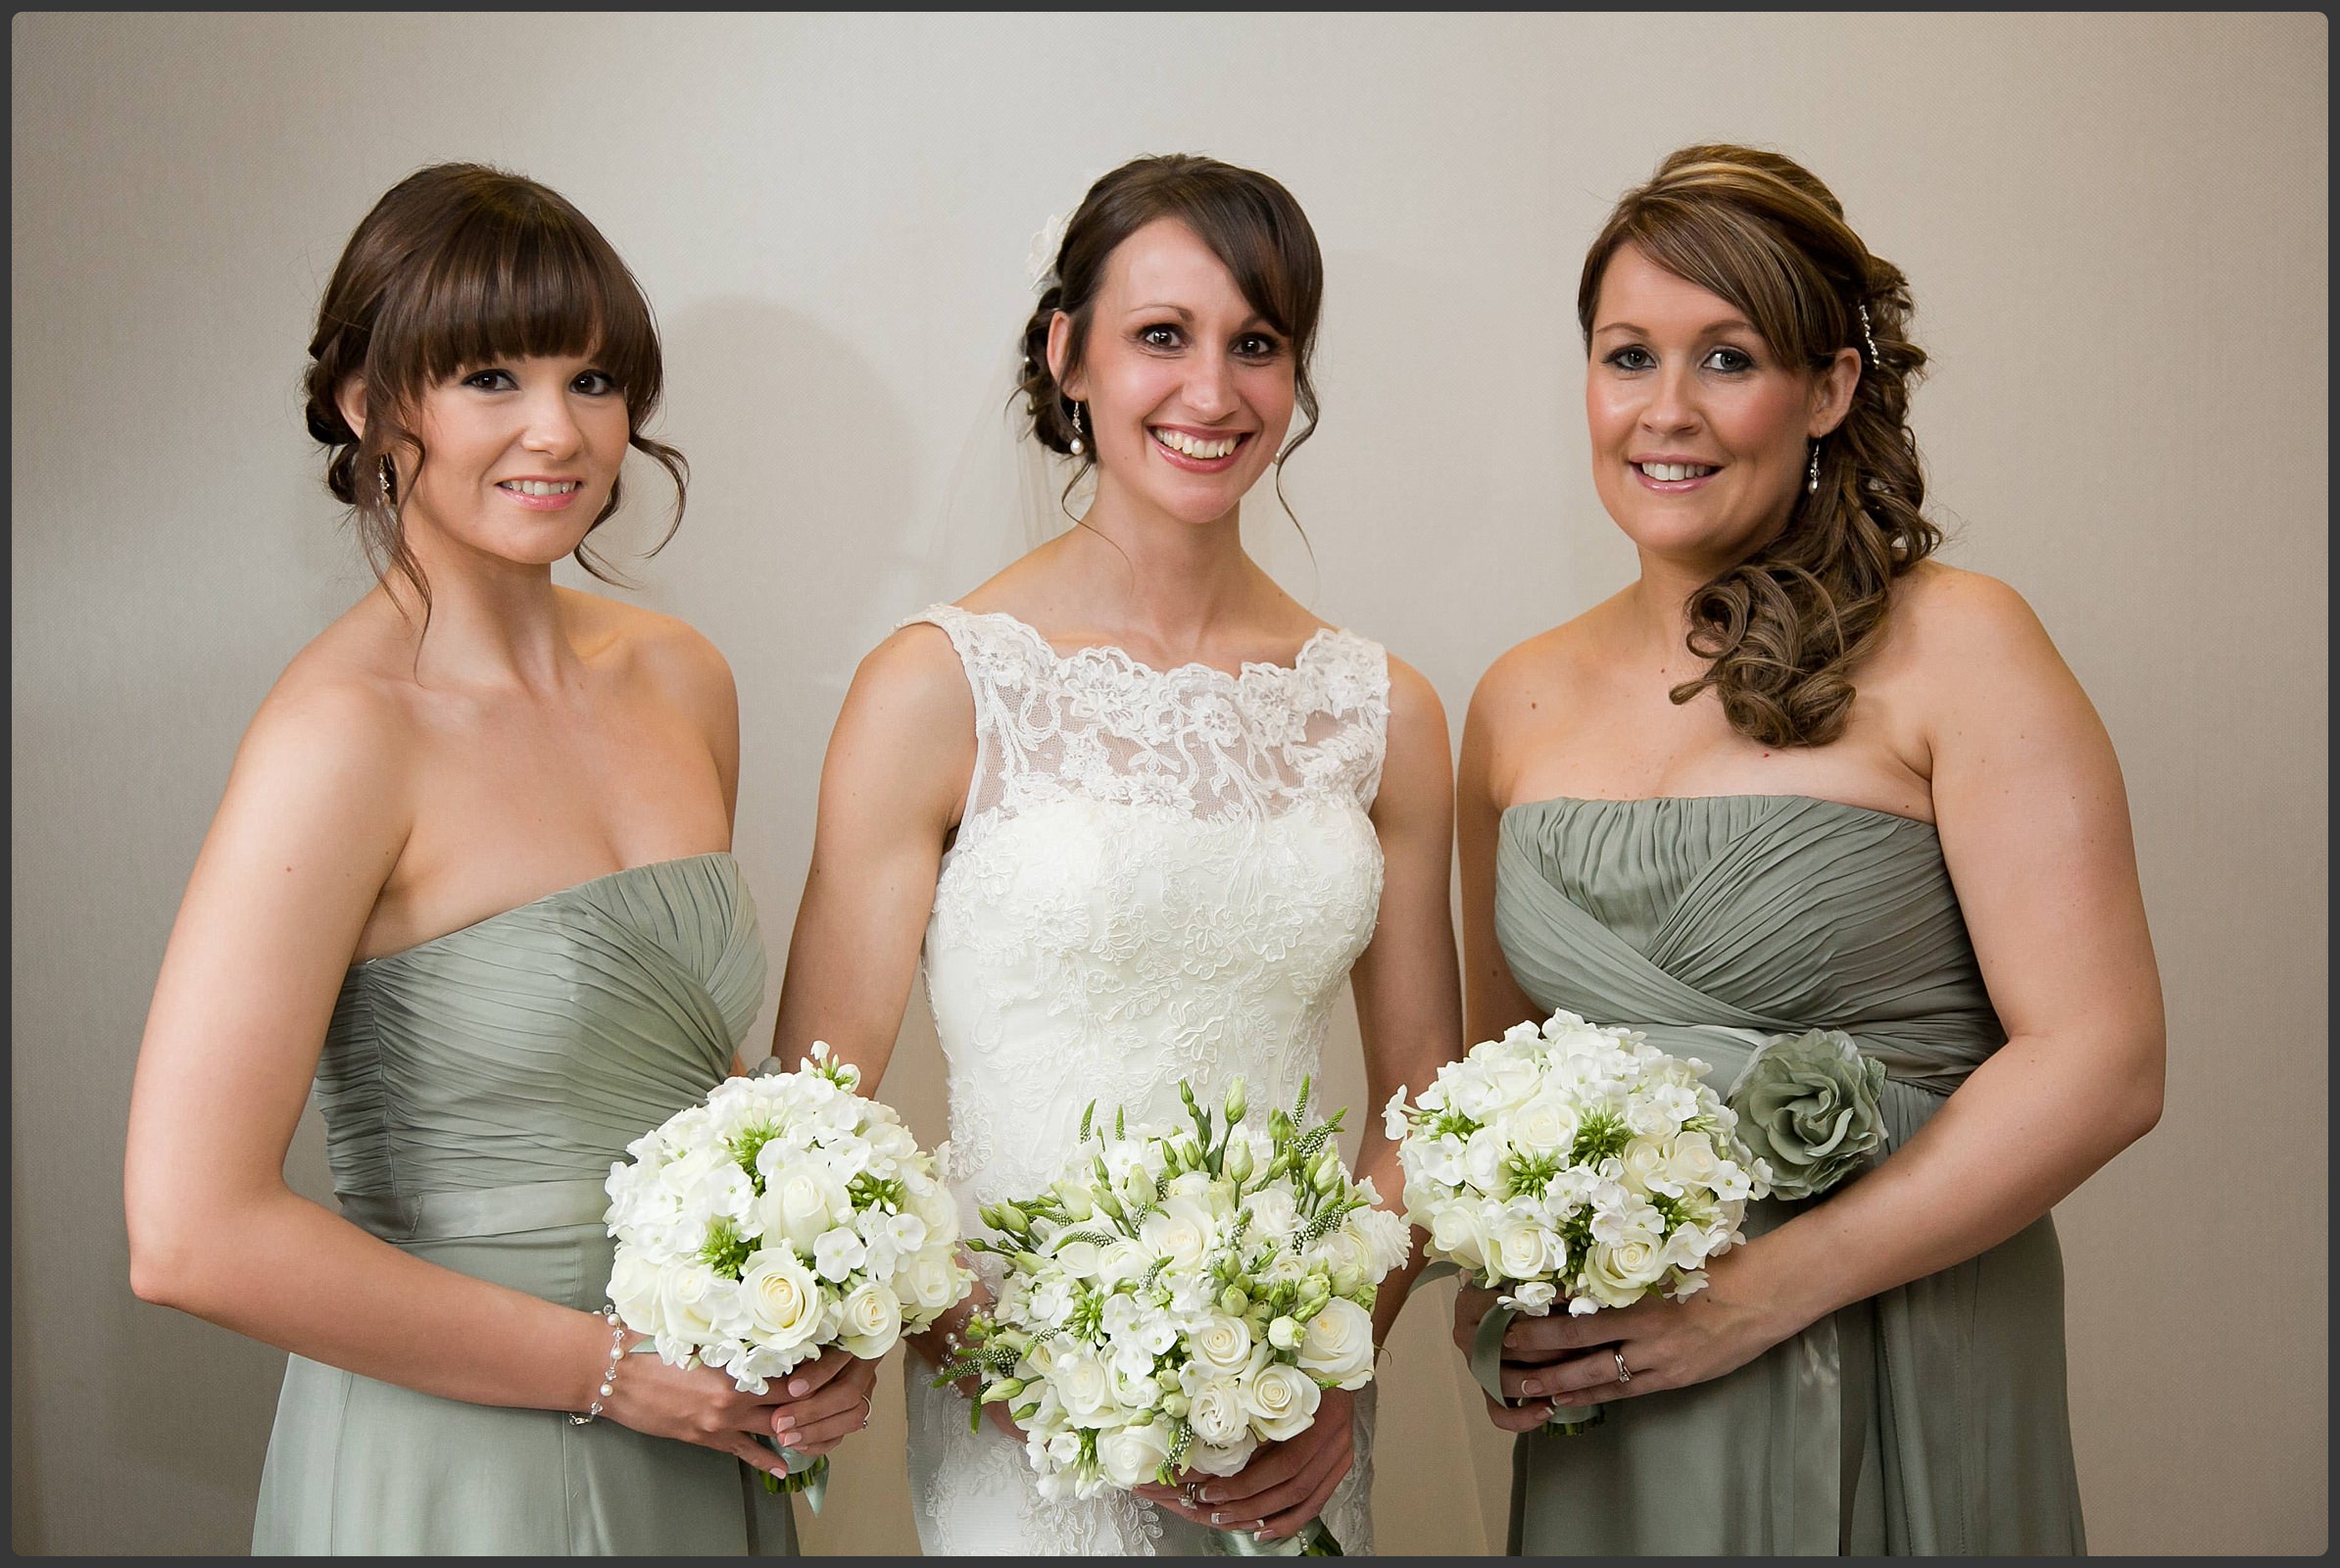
(476, 1089)
(535, 1045)
(1931, 1418)
(1751, 912)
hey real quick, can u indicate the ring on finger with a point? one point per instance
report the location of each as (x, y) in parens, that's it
(1625, 1374)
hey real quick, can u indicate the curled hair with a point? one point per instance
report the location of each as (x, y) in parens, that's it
(458, 266)
(1784, 629)
(1250, 221)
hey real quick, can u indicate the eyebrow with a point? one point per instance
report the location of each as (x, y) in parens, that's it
(1254, 319)
(1728, 324)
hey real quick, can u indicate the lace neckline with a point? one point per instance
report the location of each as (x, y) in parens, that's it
(1115, 654)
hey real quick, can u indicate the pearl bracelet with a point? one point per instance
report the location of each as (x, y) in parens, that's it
(610, 1375)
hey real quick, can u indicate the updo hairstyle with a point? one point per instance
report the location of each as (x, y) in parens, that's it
(1250, 221)
(460, 265)
(1784, 629)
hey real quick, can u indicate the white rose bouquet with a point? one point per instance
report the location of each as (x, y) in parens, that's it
(782, 1214)
(1570, 1162)
(1179, 1297)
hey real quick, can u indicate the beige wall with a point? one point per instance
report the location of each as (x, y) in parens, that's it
(2116, 228)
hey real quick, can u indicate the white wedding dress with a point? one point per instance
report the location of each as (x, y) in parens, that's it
(1159, 876)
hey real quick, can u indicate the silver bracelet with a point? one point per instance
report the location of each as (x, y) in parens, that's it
(610, 1375)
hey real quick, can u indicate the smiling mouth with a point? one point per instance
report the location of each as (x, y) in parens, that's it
(1197, 447)
(1675, 472)
(540, 487)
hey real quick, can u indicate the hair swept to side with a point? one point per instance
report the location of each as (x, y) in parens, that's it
(1784, 630)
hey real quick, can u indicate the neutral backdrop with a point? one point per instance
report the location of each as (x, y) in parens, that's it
(2116, 228)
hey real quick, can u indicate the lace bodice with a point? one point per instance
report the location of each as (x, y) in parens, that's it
(1159, 876)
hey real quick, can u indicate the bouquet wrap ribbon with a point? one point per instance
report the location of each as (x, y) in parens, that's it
(1487, 1359)
(1313, 1541)
(807, 1473)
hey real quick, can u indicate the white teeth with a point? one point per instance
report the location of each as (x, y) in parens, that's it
(539, 487)
(1668, 473)
(1180, 441)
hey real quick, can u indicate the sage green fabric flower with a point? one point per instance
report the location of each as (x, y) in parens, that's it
(1808, 1106)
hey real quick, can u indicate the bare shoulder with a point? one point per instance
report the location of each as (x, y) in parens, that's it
(1956, 631)
(1414, 705)
(1534, 680)
(915, 671)
(683, 662)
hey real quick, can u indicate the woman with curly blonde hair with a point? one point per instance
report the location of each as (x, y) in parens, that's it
(1799, 775)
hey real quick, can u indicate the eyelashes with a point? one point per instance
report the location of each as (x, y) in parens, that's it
(1725, 360)
(1257, 347)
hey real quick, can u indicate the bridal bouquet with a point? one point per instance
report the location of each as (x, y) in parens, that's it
(1180, 1295)
(782, 1214)
(1567, 1161)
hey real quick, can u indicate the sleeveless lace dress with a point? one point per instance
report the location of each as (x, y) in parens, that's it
(1160, 874)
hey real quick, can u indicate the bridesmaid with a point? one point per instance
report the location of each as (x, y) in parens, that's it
(471, 870)
(1800, 775)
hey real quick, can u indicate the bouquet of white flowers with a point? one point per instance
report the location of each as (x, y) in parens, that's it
(782, 1214)
(1570, 1161)
(1179, 1297)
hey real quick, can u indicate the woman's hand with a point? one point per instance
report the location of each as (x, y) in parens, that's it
(827, 1401)
(699, 1404)
(1285, 1485)
(1560, 1360)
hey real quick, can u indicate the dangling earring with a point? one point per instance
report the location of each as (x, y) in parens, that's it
(1812, 473)
(1078, 446)
(388, 479)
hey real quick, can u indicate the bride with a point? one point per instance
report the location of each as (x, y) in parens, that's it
(1143, 811)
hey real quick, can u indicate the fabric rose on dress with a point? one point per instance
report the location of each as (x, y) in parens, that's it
(1808, 1106)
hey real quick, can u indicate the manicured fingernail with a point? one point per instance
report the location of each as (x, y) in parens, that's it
(1211, 1494)
(1218, 1518)
(800, 1388)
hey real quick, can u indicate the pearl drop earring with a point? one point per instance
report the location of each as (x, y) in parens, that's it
(1078, 446)
(1812, 473)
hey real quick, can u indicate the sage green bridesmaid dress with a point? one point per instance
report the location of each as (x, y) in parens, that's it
(1931, 1418)
(476, 1090)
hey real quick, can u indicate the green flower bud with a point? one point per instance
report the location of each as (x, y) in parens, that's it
(1284, 1333)
(1327, 1174)
(1141, 1188)
(1175, 1405)
(1006, 1390)
(1233, 1301)
(1236, 1102)
(1238, 1161)
(1347, 1280)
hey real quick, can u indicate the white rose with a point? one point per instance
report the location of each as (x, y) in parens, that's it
(1274, 1214)
(1280, 1400)
(1338, 1346)
(1222, 1458)
(1082, 1381)
(800, 1203)
(872, 1322)
(1616, 1283)
(934, 1280)
(780, 1299)
(1691, 1160)
(1215, 1410)
(691, 1296)
(1458, 1233)
(1223, 1344)
(1181, 1232)
(1133, 1455)
(1645, 1161)
(634, 1291)
(1545, 1125)
(1123, 1260)
(1519, 1245)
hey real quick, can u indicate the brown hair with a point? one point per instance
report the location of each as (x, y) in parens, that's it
(459, 265)
(1250, 221)
(1784, 629)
